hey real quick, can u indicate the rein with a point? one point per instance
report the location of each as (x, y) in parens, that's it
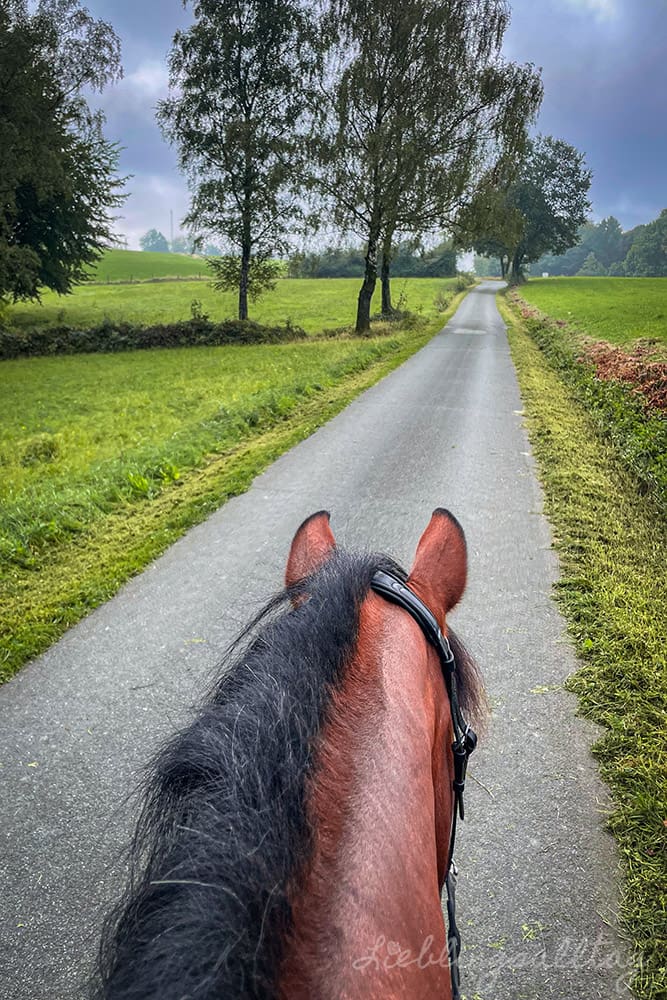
(465, 740)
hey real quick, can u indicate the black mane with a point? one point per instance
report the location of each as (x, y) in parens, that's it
(223, 830)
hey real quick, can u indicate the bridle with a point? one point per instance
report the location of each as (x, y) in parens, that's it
(465, 740)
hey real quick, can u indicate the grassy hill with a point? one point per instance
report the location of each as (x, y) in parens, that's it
(137, 265)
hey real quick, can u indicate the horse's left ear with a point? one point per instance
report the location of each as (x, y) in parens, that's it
(313, 544)
(439, 572)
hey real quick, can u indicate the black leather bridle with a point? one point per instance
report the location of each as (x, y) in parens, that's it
(465, 740)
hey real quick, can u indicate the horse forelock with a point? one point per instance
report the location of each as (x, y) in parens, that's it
(224, 828)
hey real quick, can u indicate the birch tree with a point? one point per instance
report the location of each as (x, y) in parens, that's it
(240, 80)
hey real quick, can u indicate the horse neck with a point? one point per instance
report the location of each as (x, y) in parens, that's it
(380, 811)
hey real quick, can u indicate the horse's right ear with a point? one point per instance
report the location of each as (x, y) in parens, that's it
(440, 568)
(313, 544)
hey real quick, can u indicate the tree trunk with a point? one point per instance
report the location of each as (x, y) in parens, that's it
(368, 287)
(246, 230)
(503, 267)
(243, 282)
(516, 275)
(387, 308)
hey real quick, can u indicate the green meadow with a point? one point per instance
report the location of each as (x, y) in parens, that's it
(315, 304)
(619, 310)
(81, 434)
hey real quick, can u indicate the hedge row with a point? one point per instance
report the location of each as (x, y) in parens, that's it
(621, 416)
(112, 337)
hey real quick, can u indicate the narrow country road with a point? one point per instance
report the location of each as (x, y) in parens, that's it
(537, 890)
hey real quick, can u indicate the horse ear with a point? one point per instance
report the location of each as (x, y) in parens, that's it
(313, 544)
(439, 572)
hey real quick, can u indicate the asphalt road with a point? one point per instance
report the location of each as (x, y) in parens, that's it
(538, 885)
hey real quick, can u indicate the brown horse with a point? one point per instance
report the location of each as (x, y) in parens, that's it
(296, 836)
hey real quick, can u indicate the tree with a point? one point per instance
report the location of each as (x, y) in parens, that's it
(551, 193)
(647, 257)
(541, 210)
(491, 223)
(239, 78)
(605, 240)
(262, 275)
(592, 268)
(58, 173)
(154, 241)
(181, 244)
(423, 104)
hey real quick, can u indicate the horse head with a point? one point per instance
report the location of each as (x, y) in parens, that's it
(297, 834)
(391, 725)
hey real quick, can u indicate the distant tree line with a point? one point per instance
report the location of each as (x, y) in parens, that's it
(349, 262)
(156, 242)
(604, 249)
(407, 260)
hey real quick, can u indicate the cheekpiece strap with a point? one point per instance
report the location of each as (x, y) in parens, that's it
(464, 743)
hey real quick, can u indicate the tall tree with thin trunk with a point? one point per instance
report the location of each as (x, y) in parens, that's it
(240, 80)
(424, 103)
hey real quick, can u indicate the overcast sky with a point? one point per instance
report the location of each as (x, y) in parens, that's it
(604, 66)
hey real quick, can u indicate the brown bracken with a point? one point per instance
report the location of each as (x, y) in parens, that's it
(639, 368)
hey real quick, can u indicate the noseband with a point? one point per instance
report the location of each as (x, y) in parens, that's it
(465, 740)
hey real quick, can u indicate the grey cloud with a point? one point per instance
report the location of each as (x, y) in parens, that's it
(605, 86)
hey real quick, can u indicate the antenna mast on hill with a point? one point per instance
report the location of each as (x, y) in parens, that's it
(171, 225)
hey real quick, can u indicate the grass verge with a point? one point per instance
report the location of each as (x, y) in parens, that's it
(41, 599)
(612, 546)
(638, 433)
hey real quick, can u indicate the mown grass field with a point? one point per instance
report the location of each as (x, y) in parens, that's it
(619, 310)
(132, 265)
(314, 304)
(609, 530)
(80, 434)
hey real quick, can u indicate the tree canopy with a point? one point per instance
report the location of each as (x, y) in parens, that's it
(543, 209)
(422, 104)
(407, 260)
(154, 241)
(592, 267)
(648, 254)
(58, 173)
(639, 252)
(239, 79)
